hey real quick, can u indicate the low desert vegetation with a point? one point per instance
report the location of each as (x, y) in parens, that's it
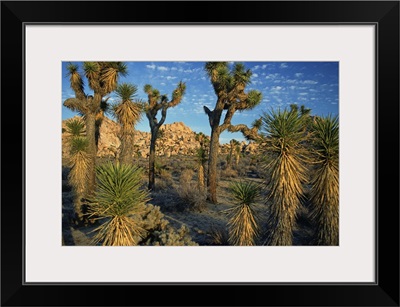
(285, 192)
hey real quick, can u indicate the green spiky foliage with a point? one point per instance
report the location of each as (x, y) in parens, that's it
(128, 114)
(75, 127)
(79, 161)
(117, 202)
(325, 183)
(229, 86)
(102, 78)
(243, 220)
(284, 145)
(157, 102)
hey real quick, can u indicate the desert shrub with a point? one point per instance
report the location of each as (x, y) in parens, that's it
(229, 173)
(158, 231)
(192, 197)
(165, 180)
(171, 237)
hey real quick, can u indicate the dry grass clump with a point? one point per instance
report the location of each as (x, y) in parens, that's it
(189, 192)
(219, 235)
(229, 173)
(165, 180)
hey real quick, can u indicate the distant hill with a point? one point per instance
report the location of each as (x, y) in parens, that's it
(175, 138)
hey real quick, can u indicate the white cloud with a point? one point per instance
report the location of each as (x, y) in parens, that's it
(256, 67)
(255, 75)
(264, 66)
(152, 66)
(162, 83)
(298, 74)
(162, 68)
(174, 68)
(309, 82)
(283, 65)
(170, 78)
(303, 94)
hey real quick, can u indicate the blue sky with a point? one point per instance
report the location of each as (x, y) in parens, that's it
(313, 84)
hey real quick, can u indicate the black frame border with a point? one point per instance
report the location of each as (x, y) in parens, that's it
(383, 14)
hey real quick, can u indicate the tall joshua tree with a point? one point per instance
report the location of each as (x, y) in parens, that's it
(78, 161)
(201, 157)
(325, 183)
(229, 87)
(157, 102)
(285, 145)
(127, 113)
(102, 79)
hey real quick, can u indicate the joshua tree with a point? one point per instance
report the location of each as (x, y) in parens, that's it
(234, 151)
(118, 201)
(201, 157)
(102, 79)
(284, 145)
(243, 221)
(79, 161)
(325, 184)
(229, 86)
(127, 113)
(155, 103)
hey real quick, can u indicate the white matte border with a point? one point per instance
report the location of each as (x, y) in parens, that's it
(48, 45)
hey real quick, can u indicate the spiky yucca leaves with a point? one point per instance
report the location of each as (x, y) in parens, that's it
(325, 183)
(243, 221)
(284, 146)
(118, 198)
(79, 162)
(75, 127)
(127, 113)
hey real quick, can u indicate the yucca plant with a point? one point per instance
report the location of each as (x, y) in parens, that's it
(243, 220)
(284, 145)
(117, 201)
(75, 127)
(325, 183)
(79, 161)
(127, 113)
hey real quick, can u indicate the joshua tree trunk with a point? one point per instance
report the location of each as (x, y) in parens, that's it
(126, 148)
(212, 165)
(201, 177)
(152, 158)
(92, 151)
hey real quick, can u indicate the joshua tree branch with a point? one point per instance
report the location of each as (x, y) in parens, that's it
(76, 104)
(250, 134)
(228, 118)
